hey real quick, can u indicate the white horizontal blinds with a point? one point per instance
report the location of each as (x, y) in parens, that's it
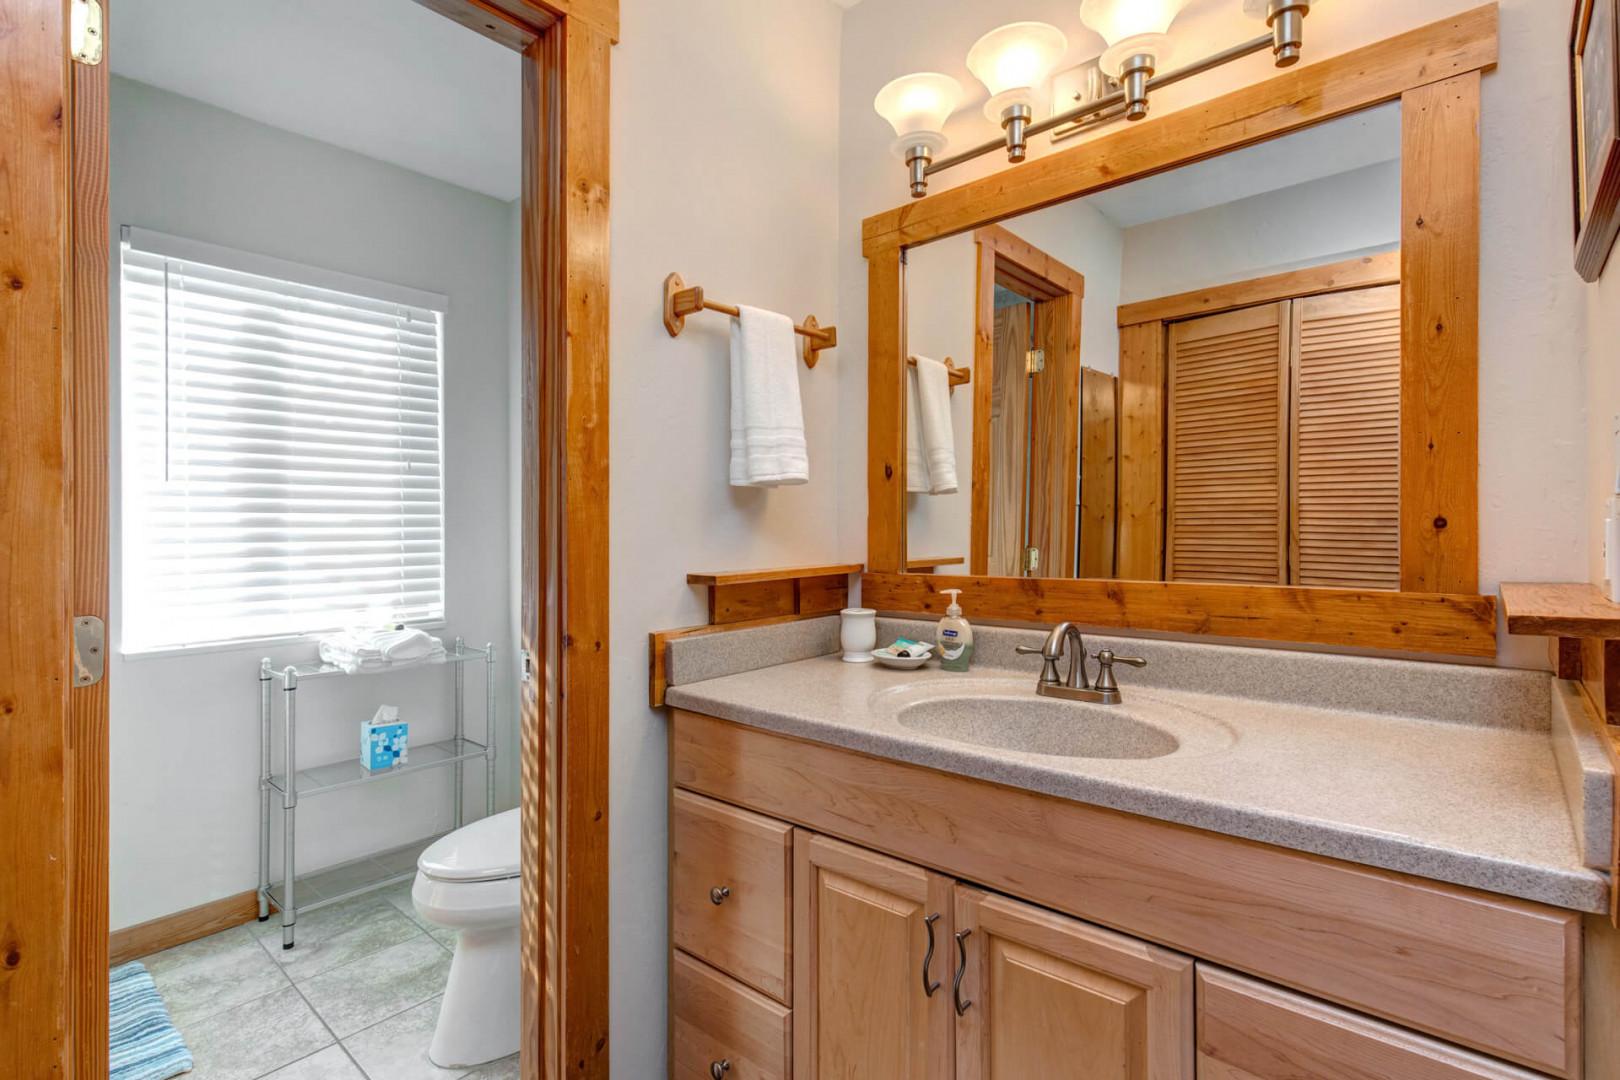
(1347, 439)
(1228, 448)
(283, 446)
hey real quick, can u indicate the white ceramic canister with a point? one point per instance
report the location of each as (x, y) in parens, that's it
(857, 633)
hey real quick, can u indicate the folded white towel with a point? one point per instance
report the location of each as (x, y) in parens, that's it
(934, 429)
(357, 650)
(767, 419)
(916, 464)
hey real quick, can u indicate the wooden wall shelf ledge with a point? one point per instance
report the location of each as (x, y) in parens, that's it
(742, 595)
(1559, 609)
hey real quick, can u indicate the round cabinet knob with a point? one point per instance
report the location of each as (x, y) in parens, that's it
(718, 896)
(718, 1069)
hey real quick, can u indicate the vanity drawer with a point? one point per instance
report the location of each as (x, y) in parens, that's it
(1249, 1030)
(719, 1021)
(731, 890)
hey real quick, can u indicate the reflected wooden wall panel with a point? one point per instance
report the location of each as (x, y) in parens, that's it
(1139, 548)
(1098, 471)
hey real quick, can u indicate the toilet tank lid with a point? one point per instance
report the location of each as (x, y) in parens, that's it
(486, 850)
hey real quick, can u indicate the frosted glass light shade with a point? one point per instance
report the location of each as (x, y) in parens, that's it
(916, 106)
(1131, 27)
(1013, 60)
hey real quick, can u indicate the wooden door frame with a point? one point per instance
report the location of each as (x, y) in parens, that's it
(1435, 72)
(53, 532)
(999, 253)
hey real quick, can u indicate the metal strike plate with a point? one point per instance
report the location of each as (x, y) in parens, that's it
(89, 650)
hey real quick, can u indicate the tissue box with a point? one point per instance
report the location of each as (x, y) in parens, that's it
(384, 743)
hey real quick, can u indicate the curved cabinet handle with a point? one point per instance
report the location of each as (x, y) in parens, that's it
(718, 1069)
(961, 969)
(928, 958)
(719, 895)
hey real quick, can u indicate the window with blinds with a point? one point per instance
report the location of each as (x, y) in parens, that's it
(282, 433)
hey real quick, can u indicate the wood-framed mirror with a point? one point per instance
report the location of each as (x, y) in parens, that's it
(1223, 367)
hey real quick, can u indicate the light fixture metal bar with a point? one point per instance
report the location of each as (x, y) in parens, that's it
(1109, 101)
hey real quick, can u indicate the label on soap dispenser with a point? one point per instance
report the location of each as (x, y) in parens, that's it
(954, 653)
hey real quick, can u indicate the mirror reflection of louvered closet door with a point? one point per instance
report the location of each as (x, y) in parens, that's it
(1283, 453)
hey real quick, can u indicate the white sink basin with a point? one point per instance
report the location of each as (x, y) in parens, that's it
(1040, 726)
(1007, 714)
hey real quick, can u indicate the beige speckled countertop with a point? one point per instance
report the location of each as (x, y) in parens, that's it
(1480, 805)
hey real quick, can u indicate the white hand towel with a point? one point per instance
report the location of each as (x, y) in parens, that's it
(767, 419)
(938, 439)
(916, 464)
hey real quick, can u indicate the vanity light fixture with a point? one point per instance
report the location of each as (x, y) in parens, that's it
(1138, 37)
(1015, 61)
(916, 106)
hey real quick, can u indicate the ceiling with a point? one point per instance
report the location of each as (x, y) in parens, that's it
(390, 80)
(1339, 146)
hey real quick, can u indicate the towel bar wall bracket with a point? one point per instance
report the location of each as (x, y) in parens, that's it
(681, 300)
(958, 376)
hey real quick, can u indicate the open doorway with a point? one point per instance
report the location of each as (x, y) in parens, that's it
(281, 382)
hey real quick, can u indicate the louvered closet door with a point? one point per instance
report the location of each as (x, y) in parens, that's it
(1347, 439)
(1228, 447)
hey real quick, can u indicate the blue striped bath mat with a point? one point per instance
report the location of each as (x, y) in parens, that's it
(145, 1044)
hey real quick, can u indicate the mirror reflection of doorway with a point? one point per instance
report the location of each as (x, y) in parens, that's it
(1026, 452)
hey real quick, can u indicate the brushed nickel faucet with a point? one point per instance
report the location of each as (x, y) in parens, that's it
(1078, 685)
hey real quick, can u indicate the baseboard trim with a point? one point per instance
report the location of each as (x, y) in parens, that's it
(143, 939)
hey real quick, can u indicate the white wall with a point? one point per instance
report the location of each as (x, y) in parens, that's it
(185, 728)
(725, 145)
(1533, 449)
(1337, 217)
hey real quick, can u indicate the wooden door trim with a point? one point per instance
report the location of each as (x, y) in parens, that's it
(38, 882)
(53, 1003)
(1434, 71)
(996, 250)
(564, 708)
(1362, 272)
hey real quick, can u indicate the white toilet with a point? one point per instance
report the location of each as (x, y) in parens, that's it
(469, 881)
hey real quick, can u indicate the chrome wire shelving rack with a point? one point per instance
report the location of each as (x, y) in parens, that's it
(290, 895)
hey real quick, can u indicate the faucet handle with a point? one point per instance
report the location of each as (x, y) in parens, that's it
(1105, 669)
(1049, 671)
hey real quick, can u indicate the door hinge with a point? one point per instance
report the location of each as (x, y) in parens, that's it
(1035, 361)
(85, 31)
(1032, 561)
(89, 650)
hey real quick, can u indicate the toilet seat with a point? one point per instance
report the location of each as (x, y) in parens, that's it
(486, 850)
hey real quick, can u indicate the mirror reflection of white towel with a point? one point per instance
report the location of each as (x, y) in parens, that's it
(930, 438)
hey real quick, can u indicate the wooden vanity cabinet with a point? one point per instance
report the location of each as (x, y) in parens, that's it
(1093, 945)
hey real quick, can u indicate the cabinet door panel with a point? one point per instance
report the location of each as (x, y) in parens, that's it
(1052, 996)
(860, 940)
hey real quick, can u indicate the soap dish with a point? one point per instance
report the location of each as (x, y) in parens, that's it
(920, 656)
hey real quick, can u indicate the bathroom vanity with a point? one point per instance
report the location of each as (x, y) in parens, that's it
(914, 874)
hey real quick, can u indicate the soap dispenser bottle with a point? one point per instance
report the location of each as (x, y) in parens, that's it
(955, 636)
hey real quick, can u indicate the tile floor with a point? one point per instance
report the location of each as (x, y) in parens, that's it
(356, 1000)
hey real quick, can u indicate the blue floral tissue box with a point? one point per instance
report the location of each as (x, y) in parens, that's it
(384, 740)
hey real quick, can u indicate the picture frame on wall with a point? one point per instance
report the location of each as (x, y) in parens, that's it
(1595, 111)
